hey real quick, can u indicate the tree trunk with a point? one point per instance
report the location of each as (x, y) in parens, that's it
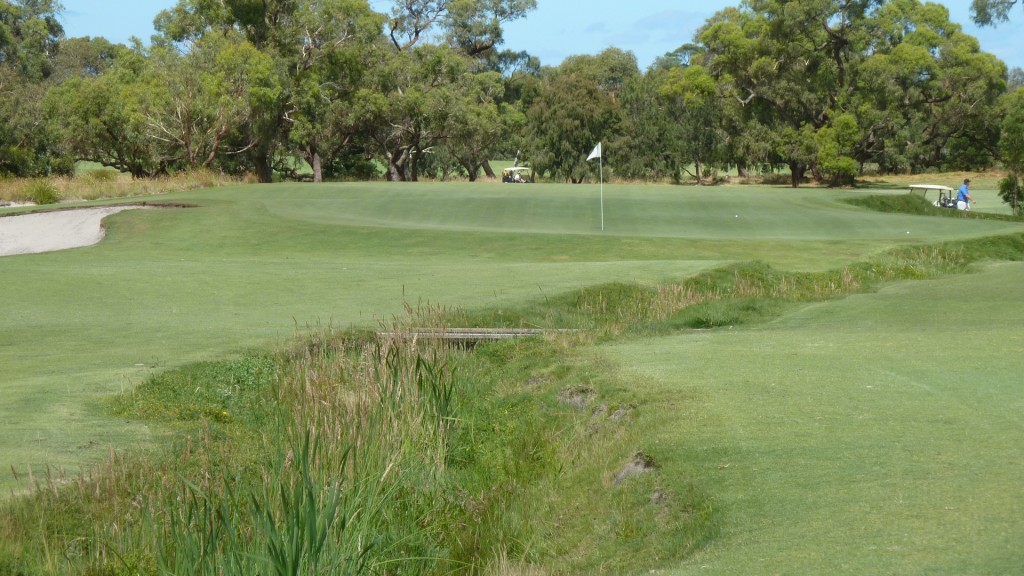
(488, 170)
(318, 170)
(396, 164)
(471, 171)
(264, 168)
(796, 173)
(412, 173)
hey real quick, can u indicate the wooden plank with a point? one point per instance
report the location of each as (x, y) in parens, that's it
(472, 334)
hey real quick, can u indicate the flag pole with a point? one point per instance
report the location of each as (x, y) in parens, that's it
(599, 154)
(601, 164)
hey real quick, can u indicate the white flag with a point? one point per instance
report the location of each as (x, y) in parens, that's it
(596, 153)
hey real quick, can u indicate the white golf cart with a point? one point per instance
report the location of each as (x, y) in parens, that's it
(947, 196)
(517, 175)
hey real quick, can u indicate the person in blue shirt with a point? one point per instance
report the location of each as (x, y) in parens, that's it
(963, 196)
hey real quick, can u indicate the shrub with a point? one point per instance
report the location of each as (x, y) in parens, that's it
(1012, 193)
(102, 175)
(42, 192)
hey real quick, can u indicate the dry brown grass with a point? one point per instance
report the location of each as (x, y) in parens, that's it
(982, 179)
(103, 184)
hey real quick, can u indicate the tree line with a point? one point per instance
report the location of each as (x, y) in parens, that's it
(821, 88)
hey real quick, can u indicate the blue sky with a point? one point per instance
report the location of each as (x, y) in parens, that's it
(558, 28)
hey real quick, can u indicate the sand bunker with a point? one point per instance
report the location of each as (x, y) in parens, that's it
(57, 230)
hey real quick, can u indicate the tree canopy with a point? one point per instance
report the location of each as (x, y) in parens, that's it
(991, 12)
(818, 89)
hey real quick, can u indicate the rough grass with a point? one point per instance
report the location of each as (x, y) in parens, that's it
(351, 454)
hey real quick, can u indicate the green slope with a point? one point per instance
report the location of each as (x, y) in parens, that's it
(880, 434)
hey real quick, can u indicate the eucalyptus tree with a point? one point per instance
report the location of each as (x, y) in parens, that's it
(80, 61)
(651, 145)
(101, 118)
(691, 98)
(836, 148)
(520, 74)
(326, 78)
(406, 108)
(991, 12)
(84, 56)
(928, 94)
(29, 35)
(479, 121)
(790, 65)
(576, 107)
(310, 43)
(672, 124)
(920, 90)
(570, 116)
(1015, 79)
(434, 92)
(1011, 150)
(196, 102)
(472, 27)
(609, 70)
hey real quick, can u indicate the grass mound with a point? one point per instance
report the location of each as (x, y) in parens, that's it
(918, 205)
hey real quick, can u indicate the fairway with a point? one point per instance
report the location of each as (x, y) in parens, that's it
(251, 265)
(878, 434)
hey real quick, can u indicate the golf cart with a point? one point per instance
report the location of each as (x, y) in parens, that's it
(947, 196)
(516, 175)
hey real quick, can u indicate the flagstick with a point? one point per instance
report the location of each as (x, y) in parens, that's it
(600, 162)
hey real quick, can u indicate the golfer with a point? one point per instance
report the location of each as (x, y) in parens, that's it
(963, 196)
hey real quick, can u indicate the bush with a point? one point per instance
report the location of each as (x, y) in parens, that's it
(42, 192)
(102, 175)
(1012, 193)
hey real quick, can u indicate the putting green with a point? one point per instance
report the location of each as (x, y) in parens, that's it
(250, 265)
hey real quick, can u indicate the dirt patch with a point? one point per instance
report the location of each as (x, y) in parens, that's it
(577, 396)
(536, 381)
(622, 412)
(640, 464)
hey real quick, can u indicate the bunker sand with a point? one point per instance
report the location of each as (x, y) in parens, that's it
(57, 230)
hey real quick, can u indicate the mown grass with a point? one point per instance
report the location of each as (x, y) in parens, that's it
(354, 454)
(874, 434)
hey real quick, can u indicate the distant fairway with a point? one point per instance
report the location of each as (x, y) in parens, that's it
(252, 264)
